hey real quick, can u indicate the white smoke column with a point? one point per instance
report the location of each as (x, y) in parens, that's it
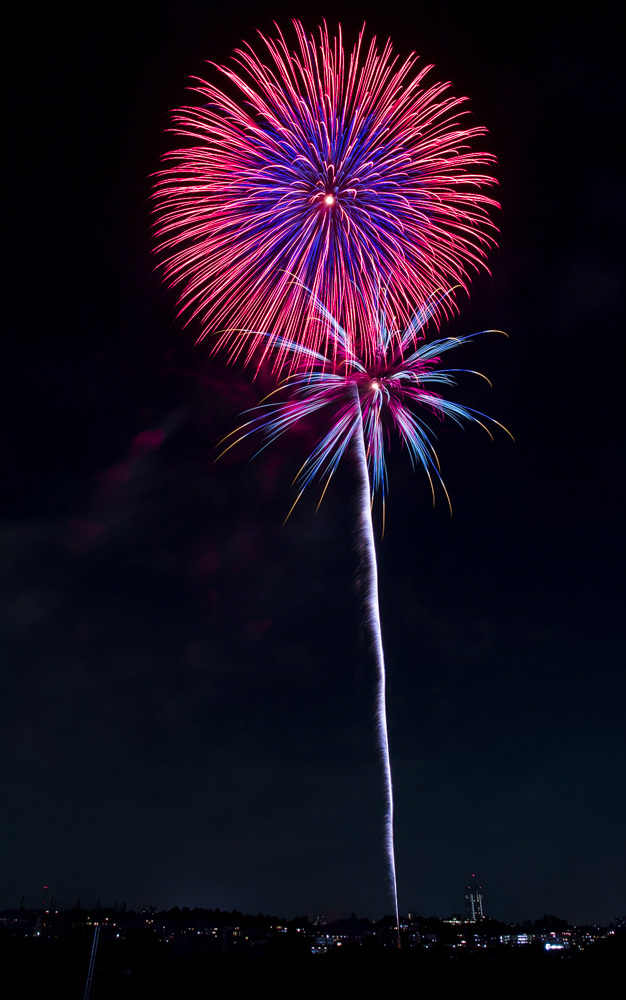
(368, 550)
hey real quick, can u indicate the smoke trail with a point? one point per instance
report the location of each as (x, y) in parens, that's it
(368, 548)
(398, 393)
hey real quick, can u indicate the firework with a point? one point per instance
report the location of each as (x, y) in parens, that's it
(340, 169)
(394, 391)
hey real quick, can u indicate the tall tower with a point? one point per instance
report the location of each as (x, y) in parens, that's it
(474, 901)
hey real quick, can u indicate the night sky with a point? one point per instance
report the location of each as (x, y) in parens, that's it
(186, 696)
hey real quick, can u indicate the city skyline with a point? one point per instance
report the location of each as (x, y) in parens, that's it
(475, 913)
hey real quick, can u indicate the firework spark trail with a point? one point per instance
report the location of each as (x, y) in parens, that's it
(342, 168)
(372, 605)
(392, 393)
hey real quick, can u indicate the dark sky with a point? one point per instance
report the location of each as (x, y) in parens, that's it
(186, 698)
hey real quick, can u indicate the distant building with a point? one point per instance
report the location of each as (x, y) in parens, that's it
(474, 909)
(516, 939)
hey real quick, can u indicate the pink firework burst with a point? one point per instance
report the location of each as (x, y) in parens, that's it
(325, 172)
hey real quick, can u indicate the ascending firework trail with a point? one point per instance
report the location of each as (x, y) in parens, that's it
(394, 393)
(372, 608)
